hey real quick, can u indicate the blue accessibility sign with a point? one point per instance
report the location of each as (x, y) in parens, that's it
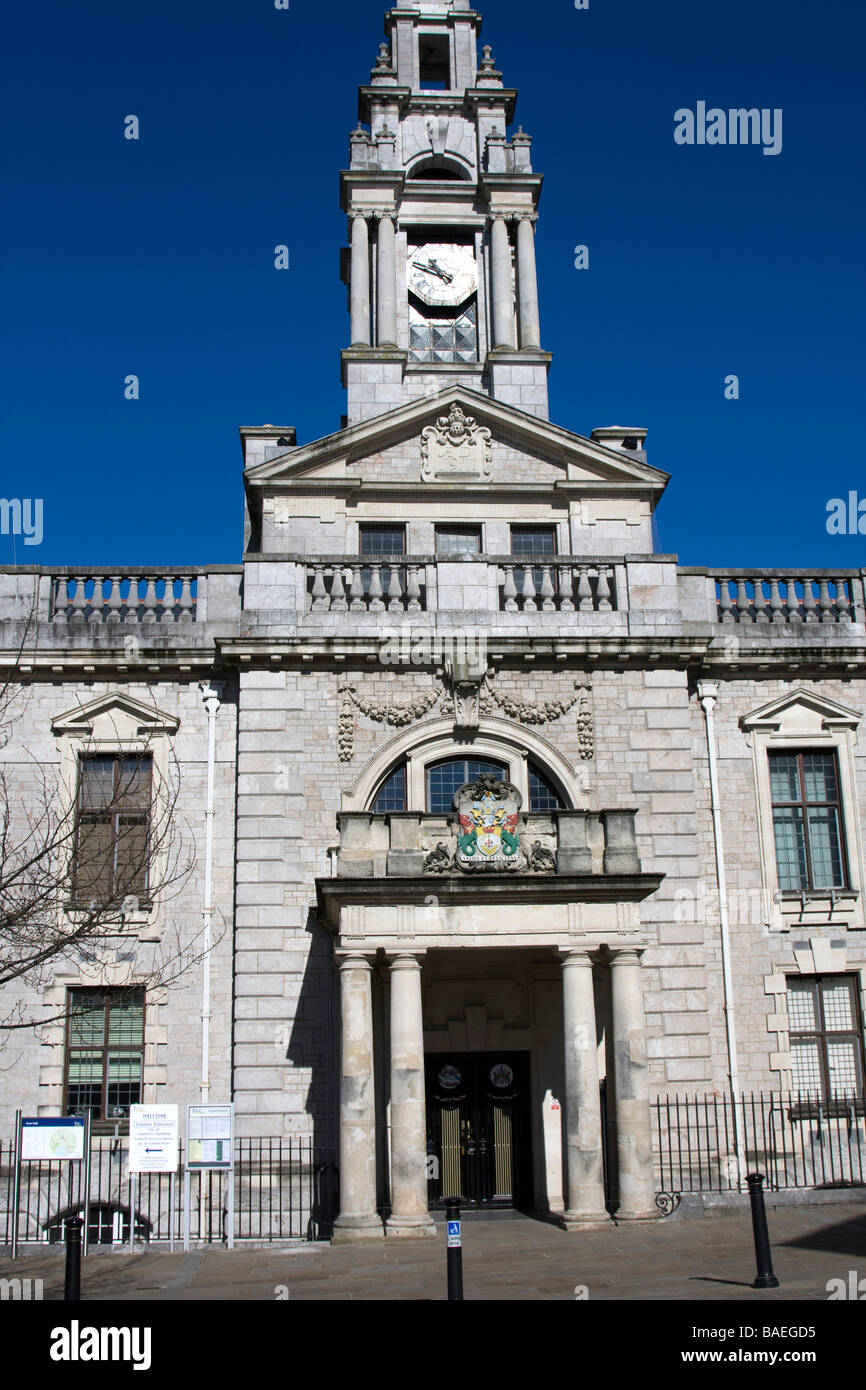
(454, 1235)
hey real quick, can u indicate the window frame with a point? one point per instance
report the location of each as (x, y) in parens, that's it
(105, 1124)
(804, 720)
(822, 1034)
(117, 813)
(804, 805)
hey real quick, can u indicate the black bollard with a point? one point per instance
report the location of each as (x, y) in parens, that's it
(72, 1289)
(765, 1278)
(455, 1253)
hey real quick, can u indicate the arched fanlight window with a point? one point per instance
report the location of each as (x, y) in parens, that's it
(543, 795)
(446, 777)
(391, 796)
(443, 778)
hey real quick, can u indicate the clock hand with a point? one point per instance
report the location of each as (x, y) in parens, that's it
(434, 269)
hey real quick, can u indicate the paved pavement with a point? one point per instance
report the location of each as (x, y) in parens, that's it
(708, 1258)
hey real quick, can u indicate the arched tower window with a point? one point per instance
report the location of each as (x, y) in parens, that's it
(444, 779)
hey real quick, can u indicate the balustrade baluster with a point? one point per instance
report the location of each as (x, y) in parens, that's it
(725, 605)
(585, 601)
(97, 599)
(149, 601)
(792, 601)
(743, 610)
(776, 605)
(356, 590)
(60, 606)
(603, 590)
(843, 603)
(186, 600)
(114, 602)
(413, 589)
(547, 602)
(395, 591)
(529, 594)
(320, 593)
(79, 599)
(509, 590)
(566, 591)
(338, 591)
(376, 605)
(825, 603)
(809, 604)
(759, 601)
(168, 601)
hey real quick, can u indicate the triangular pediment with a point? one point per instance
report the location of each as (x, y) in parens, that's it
(801, 711)
(117, 711)
(523, 450)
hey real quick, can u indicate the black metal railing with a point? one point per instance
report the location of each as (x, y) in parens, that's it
(708, 1143)
(284, 1189)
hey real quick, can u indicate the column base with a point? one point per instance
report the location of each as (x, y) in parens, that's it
(410, 1227)
(640, 1214)
(349, 1230)
(579, 1220)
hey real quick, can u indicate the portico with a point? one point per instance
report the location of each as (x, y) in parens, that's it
(545, 964)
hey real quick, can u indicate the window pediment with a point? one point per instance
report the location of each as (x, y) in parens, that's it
(801, 714)
(115, 715)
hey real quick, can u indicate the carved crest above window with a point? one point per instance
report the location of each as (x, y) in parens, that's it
(488, 838)
(455, 448)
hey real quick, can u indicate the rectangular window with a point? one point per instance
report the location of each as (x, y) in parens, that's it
(112, 829)
(807, 820)
(104, 1053)
(826, 1036)
(458, 540)
(533, 540)
(383, 540)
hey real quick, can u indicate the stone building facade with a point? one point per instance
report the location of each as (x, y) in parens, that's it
(518, 826)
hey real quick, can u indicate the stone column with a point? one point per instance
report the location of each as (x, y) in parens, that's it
(633, 1123)
(527, 285)
(409, 1214)
(386, 282)
(360, 282)
(358, 1219)
(503, 293)
(583, 1156)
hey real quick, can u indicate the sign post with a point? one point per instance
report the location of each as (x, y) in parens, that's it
(154, 1136)
(54, 1139)
(210, 1144)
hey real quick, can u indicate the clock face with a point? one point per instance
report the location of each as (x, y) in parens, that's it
(442, 273)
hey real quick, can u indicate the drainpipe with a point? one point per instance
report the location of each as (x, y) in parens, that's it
(211, 694)
(708, 692)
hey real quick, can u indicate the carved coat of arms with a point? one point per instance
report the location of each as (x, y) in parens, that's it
(487, 837)
(456, 447)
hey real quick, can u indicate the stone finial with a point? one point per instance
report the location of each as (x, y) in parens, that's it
(487, 63)
(383, 58)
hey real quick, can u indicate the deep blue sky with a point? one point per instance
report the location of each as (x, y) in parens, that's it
(156, 257)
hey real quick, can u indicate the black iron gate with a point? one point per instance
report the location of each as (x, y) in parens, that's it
(478, 1138)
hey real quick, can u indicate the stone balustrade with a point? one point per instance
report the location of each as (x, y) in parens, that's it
(368, 586)
(408, 844)
(566, 586)
(787, 598)
(161, 596)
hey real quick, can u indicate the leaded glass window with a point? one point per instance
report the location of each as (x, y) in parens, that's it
(807, 820)
(391, 796)
(105, 1053)
(826, 1036)
(445, 778)
(458, 540)
(443, 335)
(543, 795)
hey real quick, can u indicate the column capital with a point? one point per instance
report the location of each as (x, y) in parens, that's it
(627, 955)
(575, 955)
(353, 960)
(382, 215)
(407, 960)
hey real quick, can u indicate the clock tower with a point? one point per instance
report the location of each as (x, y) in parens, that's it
(441, 205)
